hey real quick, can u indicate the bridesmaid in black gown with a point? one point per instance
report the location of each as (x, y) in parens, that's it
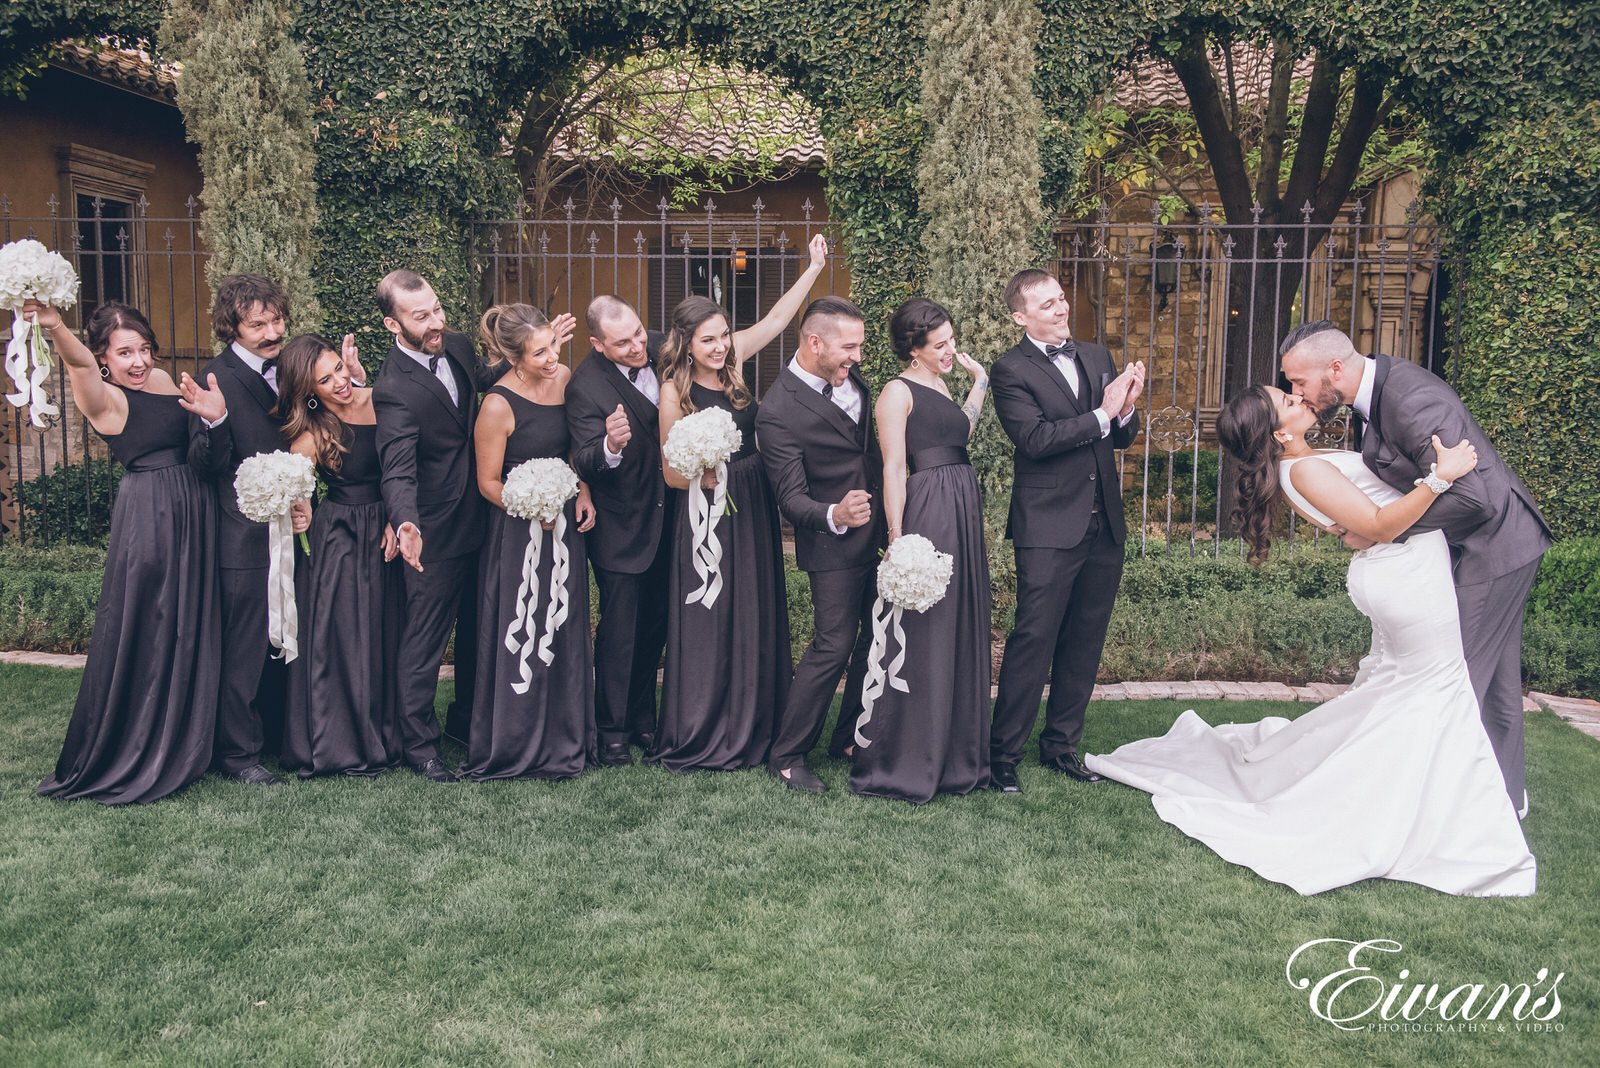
(147, 706)
(548, 731)
(728, 666)
(341, 716)
(935, 738)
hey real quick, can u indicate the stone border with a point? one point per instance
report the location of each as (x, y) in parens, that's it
(1582, 714)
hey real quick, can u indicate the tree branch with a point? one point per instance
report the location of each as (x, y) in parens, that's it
(1275, 129)
(1199, 80)
(1365, 109)
(1316, 130)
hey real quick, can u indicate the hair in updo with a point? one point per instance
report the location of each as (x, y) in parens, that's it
(506, 328)
(1245, 428)
(912, 323)
(677, 364)
(111, 317)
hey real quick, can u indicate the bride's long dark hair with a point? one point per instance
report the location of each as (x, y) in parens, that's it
(1245, 429)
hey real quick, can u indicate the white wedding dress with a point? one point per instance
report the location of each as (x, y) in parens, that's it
(1393, 779)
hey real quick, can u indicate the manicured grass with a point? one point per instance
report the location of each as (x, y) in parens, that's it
(637, 917)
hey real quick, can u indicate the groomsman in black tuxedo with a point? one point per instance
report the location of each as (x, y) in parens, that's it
(1066, 409)
(822, 457)
(248, 317)
(426, 401)
(612, 415)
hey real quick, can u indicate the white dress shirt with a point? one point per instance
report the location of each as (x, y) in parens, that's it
(1363, 402)
(445, 376)
(647, 384)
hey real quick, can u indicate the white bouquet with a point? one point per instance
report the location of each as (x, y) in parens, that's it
(29, 271)
(698, 442)
(266, 485)
(915, 575)
(538, 490)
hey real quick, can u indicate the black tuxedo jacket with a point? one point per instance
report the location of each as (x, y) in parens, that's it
(814, 455)
(632, 499)
(216, 453)
(1060, 456)
(430, 475)
(1488, 516)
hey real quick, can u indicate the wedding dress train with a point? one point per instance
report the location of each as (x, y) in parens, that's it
(1393, 779)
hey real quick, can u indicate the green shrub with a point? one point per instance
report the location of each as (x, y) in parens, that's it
(1189, 503)
(70, 504)
(1560, 658)
(15, 556)
(1568, 587)
(48, 611)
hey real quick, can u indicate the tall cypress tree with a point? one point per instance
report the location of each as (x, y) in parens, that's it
(979, 188)
(246, 103)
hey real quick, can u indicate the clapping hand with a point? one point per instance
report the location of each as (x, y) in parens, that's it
(564, 326)
(1455, 461)
(351, 355)
(208, 403)
(618, 433)
(1135, 373)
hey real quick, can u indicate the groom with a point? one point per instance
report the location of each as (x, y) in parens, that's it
(821, 455)
(1495, 531)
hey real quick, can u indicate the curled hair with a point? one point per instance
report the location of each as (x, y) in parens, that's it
(111, 317)
(1245, 429)
(506, 328)
(297, 385)
(237, 294)
(912, 323)
(677, 366)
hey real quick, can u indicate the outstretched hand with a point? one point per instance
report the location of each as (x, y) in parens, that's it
(410, 539)
(41, 315)
(563, 326)
(819, 251)
(351, 355)
(208, 403)
(1457, 460)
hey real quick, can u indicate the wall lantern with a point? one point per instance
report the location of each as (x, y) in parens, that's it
(1167, 257)
(740, 261)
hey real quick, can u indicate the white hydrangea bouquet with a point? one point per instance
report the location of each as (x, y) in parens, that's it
(538, 490)
(699, 442)
(913, 575)
(29, 271)
(267, 485)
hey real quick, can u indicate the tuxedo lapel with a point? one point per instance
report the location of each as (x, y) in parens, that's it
(428, 381)
(819, 405)
(864, 428)
(1372, 434)
(1045, 367)
(252, 381)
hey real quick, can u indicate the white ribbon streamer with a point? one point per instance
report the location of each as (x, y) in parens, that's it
(705, 550)
(283, 618)
(28, 365)
(878, 677)
(526, 620)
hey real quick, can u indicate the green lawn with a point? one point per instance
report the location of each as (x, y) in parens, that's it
(637, 917)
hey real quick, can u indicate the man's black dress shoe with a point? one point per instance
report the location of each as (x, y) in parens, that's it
(645, 740)
(435, 771)
(1069, 765)
(1003, 777)
(800, 777)
(256, 775)
(615, 755)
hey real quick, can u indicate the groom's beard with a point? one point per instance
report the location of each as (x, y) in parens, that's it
(1328, 402)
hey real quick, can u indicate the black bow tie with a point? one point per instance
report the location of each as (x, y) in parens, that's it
(268, 365)
(827, 389)
(433, 363)
(633, 374)
(1066, 348)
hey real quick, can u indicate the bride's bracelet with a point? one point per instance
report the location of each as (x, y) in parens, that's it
(1433, 481)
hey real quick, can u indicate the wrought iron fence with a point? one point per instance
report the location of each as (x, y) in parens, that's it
(744, 261)
(56, 481)
(1192, 299)
(1185, 297)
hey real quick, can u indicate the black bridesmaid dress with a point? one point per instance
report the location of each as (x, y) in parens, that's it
(727, 667)
(342, 714)
(547, 732)
(935, 739)
(147, 707)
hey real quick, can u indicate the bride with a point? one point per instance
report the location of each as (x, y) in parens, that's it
(1393, 779)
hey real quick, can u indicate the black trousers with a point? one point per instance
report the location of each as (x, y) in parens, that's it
(442, 596)
(1064, 600)
(628, 642)
(254, 687)
(841, 610)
